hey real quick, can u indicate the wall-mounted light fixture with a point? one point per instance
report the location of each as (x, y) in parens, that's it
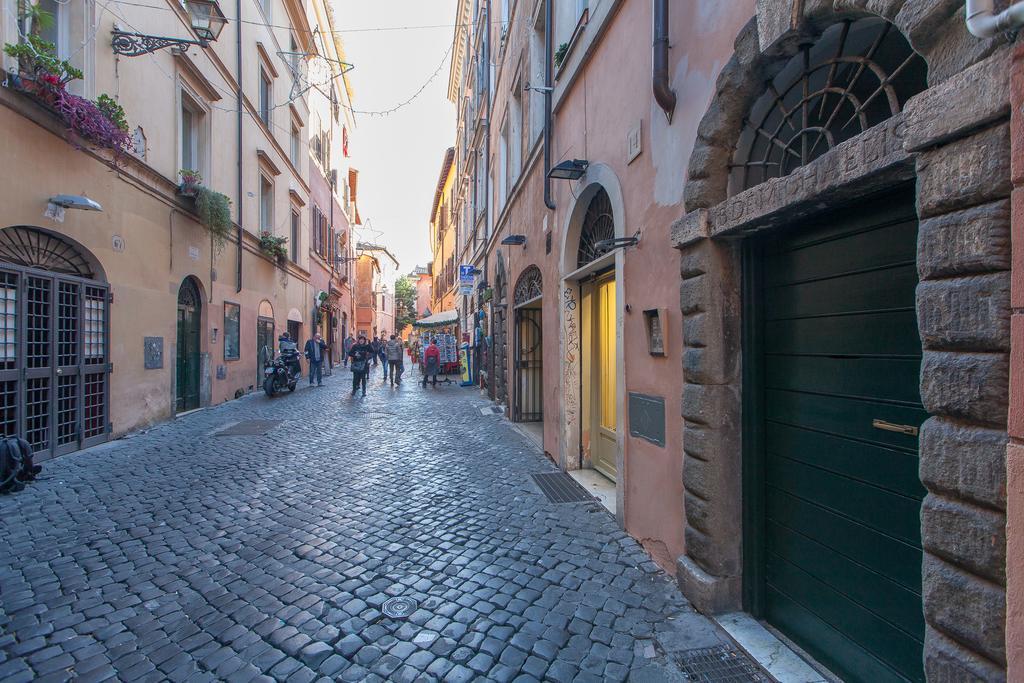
(205, 17)
(616, 242)
(569, 169)
(514, 240)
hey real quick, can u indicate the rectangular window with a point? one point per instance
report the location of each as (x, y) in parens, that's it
(55, 31)
(266, 6)
(266, 95)
(314, 229)
(504, 180)
(293, 238)
(266, 205)
(295, 146)
(232, 327)
(192, 134)
(293, 56)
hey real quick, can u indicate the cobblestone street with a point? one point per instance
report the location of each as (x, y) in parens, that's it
(179, 554)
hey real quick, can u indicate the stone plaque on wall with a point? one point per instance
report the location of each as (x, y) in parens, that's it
(153, 352)
(647, 418)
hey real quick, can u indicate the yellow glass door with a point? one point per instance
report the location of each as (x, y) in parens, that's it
(604, 405)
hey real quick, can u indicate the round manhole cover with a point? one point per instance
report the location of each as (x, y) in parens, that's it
(399, 608)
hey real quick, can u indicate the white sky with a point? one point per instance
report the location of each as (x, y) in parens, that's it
(399, 155)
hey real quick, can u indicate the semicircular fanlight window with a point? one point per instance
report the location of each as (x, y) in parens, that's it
(857, 74)
(32, 248)
(598, 225)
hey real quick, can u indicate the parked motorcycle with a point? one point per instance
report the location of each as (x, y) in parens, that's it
(280, 372)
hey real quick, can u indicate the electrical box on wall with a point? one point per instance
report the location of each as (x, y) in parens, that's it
(633, 142)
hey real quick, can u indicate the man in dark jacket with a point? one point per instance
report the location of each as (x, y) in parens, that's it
(315, 349)
(361, 354)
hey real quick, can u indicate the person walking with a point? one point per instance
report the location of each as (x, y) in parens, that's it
(395, 353)
(431, 362)
(314, 351)
(348, 344)
(361, 354)
(382, 354)
(375, 347)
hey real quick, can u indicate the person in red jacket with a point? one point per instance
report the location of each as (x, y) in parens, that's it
(431, 362)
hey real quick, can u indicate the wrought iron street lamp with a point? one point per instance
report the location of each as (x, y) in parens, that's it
(207, 22)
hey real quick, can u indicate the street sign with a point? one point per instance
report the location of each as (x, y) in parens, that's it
(466, 279)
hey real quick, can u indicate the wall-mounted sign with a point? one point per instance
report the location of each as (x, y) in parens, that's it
(466, 279)
(654, 324)
(153, 352)
(647, 418)
(117, 243)
(193, 253)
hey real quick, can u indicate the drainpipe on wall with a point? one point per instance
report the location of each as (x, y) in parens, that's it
(548, 92)
(983, 22)
(665, 96)
(241, 196)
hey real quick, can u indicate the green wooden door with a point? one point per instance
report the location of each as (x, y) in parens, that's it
(187, 367)
(838, 536)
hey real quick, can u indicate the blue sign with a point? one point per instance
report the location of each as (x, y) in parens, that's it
(466, 273)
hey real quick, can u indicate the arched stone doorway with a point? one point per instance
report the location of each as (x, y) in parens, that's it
(761, 202)
(188, 365)
(528, 397)
(591, 313)
(54, 342)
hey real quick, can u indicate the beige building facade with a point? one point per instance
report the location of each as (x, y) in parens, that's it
(185, 316)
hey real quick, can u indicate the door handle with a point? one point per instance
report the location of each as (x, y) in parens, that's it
(909, 430)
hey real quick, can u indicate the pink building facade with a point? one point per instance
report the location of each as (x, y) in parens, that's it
(770, 303)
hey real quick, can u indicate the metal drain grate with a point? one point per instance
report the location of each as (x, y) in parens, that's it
(379, 415)
(721, 664)
(559, 487)
(399, 608)
(249, 428)
(492, 410)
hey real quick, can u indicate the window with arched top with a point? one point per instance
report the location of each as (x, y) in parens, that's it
(856, 75)
(266, 310)
(598, 225)
(529, 286)
(34, 248)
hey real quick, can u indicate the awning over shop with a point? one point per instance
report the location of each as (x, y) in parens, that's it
(442, 319)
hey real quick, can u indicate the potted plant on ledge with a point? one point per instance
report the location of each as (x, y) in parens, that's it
(191, 181)
(43, 76)
(274, 247)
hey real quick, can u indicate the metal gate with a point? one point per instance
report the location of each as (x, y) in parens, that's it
(529, 403)
(54, 360)
(187, 365)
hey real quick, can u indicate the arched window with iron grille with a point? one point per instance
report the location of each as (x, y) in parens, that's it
(598, 225)
(856, 75)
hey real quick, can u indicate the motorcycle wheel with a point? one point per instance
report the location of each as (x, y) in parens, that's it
(268, 387)
(291, 386)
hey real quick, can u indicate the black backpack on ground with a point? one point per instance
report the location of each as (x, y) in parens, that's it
(16, 466)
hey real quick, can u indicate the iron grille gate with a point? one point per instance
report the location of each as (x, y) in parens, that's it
(54, 360)
(529, 403)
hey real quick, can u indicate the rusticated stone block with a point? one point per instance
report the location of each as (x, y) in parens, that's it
(966, 535)
(718, 446)
(964, 461)
(921, 20)
(971, 386)
(698, 477)
(965, 173)
(976, 240)
(708, 594)
(946, 661)
(957, 49)
(774, 20)
(691, 228)
(971, 313)
(713, 405)
(718, 552)
(883, 8)
(968, 608)
(714, 364)
(974, 98)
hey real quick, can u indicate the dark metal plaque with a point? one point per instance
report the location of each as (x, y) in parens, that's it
(153, 352)
(647, 418)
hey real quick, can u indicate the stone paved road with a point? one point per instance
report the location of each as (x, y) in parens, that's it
(180, 555)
